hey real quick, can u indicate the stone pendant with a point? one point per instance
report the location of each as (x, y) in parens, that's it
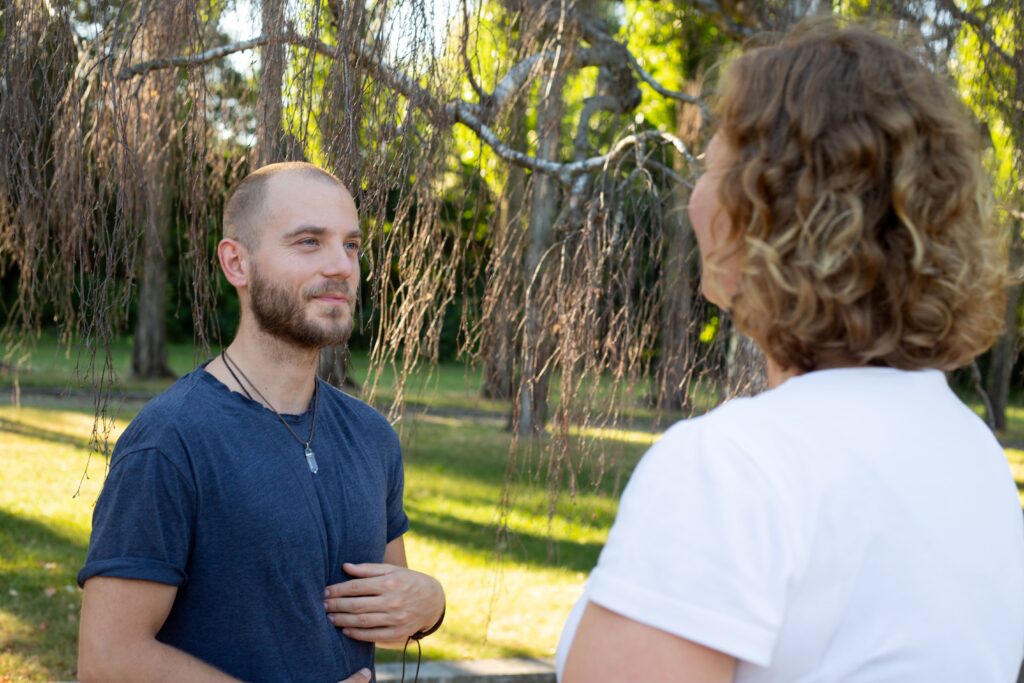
(311, 460)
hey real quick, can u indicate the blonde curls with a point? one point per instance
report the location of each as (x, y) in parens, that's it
(857, 205)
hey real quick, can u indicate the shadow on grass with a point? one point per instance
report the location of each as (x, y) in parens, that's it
(520, 547)
(37, 589)
(34, 432)
(461, 640)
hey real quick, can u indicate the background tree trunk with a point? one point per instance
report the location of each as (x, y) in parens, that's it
(675, 357)
(499, 350)
(1004, 353)
(537, 345)
(270, 134)
(158, 102)
(149, 351)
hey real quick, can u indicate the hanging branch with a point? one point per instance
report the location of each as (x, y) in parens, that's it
(469, 114)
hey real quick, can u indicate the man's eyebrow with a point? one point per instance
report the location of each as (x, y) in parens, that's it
(304, 230)
(316, 230)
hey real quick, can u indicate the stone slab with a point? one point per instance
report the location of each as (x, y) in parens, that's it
(513, 670)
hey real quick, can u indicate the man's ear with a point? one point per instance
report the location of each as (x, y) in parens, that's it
(234, 261)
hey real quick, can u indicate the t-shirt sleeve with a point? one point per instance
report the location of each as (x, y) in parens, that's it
(700, 547)
(143, 521)
(398, 521)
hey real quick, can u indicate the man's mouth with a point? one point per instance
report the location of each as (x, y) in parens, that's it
(332, 298)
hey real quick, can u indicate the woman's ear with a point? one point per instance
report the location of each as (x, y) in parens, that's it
(234, 261)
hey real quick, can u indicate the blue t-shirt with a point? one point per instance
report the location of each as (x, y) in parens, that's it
(207, 491)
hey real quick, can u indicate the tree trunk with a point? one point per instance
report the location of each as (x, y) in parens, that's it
(339, 124)
(537, 343)
(270, 135)
(500, 301)
(157, 100)
(675, 358)
(149, 351)
(1004, 353)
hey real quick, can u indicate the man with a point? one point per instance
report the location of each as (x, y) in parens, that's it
(251, 523)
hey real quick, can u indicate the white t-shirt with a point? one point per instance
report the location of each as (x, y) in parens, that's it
(854, 525)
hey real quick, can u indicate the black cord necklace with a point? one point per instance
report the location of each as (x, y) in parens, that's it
(308, 451)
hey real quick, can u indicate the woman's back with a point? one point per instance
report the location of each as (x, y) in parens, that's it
(856, 524)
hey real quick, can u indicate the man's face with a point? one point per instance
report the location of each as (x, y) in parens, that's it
(304, 275)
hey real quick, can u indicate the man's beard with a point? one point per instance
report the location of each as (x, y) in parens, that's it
(281, 314)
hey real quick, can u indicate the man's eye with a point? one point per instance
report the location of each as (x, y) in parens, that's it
(309, 242)
(353, 246)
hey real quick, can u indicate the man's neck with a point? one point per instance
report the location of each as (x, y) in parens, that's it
(283, 373)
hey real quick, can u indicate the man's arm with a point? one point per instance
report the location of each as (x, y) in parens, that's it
(385, 603)
(611, 648)
(117, 636)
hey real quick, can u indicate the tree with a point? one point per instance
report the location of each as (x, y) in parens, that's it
(150, 121)
(991, 74)
(581, 279)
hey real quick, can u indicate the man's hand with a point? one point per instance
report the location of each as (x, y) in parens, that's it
(385, 603)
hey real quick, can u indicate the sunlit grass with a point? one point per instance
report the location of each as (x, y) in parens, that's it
(52, 367)
(456, 478)
(44, 529)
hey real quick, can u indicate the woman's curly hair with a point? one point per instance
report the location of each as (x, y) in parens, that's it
(858, 206)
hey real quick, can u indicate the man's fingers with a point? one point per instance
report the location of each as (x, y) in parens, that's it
(375, 635)
(357, 605)
(368, 620)
(361, 676)
(367, 569)
(352, 588)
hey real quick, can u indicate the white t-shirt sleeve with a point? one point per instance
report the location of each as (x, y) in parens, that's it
(702, 547)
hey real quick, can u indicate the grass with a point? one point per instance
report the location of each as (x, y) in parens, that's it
(455, 475)
(449, 387)
(455, 468)
(53, 368)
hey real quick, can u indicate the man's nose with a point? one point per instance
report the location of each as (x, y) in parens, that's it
(339, 262)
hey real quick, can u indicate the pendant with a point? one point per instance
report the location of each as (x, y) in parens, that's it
(311, 460)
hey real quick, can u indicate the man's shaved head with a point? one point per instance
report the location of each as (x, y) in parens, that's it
(245, 203)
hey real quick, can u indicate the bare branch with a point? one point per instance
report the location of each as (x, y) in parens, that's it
(521, 74)
(518, 76)
(670, 173)
(563, 172)
(603, 41)
(621, 147)
(463, 49)
(397, 80)
(467, 113)
(983, 30)
(591, 106)
(677, 95)
(210, 55)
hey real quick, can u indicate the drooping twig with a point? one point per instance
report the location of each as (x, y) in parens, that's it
(460, 111)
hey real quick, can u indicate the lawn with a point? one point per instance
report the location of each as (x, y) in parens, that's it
(508, 594)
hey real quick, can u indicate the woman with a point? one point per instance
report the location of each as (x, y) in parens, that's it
(854, 522)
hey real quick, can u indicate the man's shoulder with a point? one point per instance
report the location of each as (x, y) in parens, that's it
(172, 413)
